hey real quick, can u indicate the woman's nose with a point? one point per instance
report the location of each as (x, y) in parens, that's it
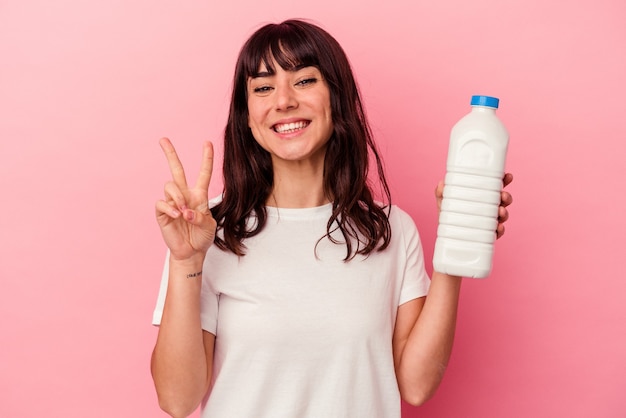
(285, 98)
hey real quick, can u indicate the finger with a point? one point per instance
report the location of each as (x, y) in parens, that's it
(176, 168)
(439, 190)
(499, 231)
(206, 168)
(197, 217)
(174, 194)
(507, 179)
(439, 194)
(505, 199)
(503, 214)
(164, 208)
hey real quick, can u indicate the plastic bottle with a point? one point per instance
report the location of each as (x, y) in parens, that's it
(471, 195)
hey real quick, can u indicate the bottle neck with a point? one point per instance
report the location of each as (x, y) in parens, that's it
(483, 109)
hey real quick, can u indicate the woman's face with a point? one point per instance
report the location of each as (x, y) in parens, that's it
(290, 114)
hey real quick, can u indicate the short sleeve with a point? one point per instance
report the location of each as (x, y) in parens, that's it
(415, 282)
(157, 314)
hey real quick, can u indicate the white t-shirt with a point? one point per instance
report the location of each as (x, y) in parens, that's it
(300, 333)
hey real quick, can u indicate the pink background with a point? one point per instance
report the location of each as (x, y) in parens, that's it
(87, 89)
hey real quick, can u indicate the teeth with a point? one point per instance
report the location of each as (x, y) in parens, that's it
(290, 127)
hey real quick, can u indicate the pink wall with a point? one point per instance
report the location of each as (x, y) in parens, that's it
(87, 88)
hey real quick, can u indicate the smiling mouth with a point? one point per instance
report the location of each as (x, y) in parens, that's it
(284, 128)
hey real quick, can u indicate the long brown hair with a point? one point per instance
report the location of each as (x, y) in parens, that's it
(247, 170)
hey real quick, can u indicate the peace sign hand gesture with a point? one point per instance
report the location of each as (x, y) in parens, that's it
(186, 223)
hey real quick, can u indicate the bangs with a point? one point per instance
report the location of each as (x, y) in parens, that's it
(286, 45)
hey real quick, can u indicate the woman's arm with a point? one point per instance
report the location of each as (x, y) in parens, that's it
(423, 338)
(183, 355)
(182, 359)
(425, 327)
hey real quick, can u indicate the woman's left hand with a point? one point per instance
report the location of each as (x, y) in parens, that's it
(505, 200)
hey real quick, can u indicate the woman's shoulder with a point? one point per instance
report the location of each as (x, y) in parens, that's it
(214, 201)
(401, 222)
(397, 214)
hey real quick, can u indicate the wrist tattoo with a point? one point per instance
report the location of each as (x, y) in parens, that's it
(192, 275)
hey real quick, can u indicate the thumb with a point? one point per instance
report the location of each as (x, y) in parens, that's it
(439, 193)
(439, 189)
(195, 217)
(201, 229)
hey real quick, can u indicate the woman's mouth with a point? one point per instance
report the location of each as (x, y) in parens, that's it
(285, 128)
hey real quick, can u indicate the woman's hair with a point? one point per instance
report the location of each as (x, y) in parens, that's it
(247, 170)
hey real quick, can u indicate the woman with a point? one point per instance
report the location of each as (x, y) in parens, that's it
(295, 294)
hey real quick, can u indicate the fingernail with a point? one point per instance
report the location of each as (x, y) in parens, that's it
(175, 213)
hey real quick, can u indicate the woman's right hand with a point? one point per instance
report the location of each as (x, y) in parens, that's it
(186, 223)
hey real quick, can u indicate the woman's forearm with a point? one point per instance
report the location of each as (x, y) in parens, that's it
(427, 350)
(180, 368)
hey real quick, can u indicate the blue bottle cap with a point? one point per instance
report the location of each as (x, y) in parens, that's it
(485, 101)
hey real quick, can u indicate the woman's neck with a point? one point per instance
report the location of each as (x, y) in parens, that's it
(298, 187)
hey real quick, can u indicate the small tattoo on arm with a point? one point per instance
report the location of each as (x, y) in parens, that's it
(192, 275)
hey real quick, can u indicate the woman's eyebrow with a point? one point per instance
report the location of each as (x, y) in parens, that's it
(262, 74)
(268, 73)
(301, 66)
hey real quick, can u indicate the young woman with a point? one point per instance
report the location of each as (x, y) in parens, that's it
(296, 294)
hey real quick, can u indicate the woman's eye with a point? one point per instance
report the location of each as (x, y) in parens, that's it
(262, 89)
(307, 81)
